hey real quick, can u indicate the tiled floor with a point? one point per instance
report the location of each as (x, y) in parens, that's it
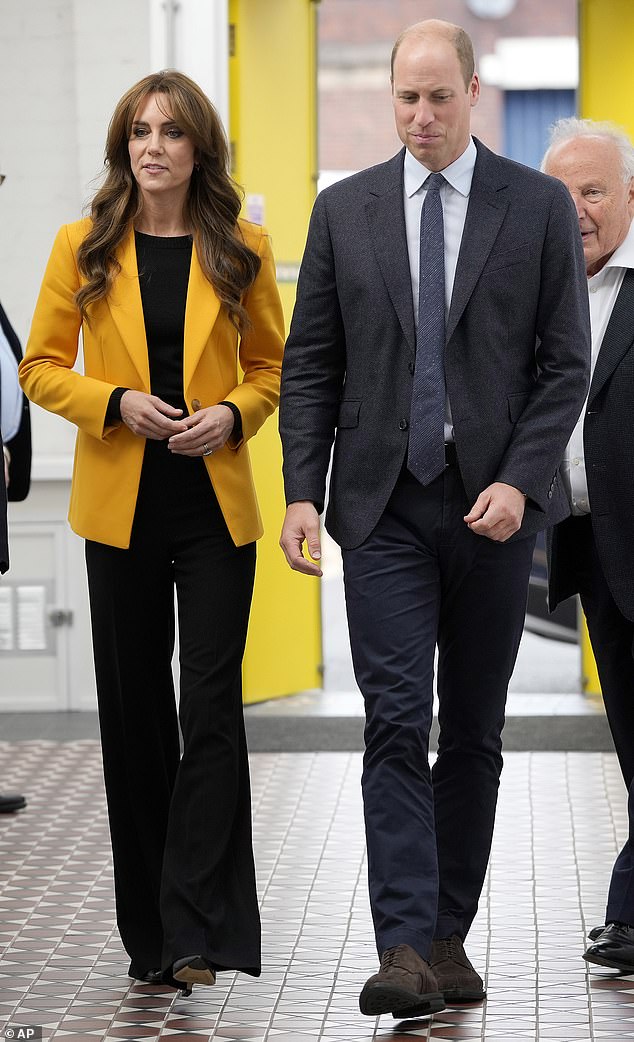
(62, 966)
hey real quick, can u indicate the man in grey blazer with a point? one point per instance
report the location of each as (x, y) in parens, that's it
(15, 460)
(592, 552)
(441, 340)
(4, 535)
(16, 428)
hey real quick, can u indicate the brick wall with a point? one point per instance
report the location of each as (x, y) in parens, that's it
(356, 126)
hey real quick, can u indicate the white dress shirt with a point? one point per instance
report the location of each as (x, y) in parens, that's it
(10, 391)
(603, 289)
(454, 196)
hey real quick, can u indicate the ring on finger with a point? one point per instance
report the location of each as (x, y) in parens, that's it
(206, 450)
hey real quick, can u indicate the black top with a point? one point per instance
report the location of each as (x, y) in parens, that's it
(164, 264)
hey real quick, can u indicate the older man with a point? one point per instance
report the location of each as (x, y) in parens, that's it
(441, 338)
(592, 552)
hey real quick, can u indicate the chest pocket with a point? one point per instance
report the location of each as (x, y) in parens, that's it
(520, 255)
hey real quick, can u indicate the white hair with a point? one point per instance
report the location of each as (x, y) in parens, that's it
(571, 128)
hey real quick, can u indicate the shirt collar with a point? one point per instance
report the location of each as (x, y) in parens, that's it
(623, 256)
(459, 174)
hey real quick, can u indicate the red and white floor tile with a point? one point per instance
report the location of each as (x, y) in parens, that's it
(560, 820)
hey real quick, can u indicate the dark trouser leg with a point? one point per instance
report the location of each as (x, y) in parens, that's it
(392, 598)
(202, 832)
(208, 899)
(481, 622)
(620, 906)
(132, 612)
(612, 637)
(421, 576)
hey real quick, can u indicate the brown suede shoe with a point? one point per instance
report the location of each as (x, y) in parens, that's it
(404, 982)
(456, 977)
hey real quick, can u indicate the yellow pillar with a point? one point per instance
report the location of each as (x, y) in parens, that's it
(606, 91)
(606, 88)
(272, 127)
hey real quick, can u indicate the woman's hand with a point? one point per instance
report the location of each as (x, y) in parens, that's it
(207, 431)
(149, 416)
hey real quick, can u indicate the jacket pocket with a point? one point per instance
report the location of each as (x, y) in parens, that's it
(517, 404)
(520, 255)
(349, 412)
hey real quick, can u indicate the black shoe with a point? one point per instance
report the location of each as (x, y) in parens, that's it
(614, 947)
(404, 986)
(149, 977)
(193, 969)
(10, 802)
(596, 932)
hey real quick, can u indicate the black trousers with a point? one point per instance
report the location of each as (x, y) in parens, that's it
(180, 827)
(612, 639)
(422, 579)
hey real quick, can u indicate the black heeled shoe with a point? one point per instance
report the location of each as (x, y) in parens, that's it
(149, 977)
(193, 969)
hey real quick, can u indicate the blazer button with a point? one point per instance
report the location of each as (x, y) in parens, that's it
(403, 425)
(411, 367)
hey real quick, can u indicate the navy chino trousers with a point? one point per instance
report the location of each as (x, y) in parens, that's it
(422, 579)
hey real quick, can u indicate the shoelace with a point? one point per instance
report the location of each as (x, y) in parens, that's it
(445, 948)
(390, 956)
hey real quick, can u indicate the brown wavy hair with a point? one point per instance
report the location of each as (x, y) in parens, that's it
(212, 206)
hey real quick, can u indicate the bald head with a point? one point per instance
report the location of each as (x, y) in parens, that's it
(432, 28)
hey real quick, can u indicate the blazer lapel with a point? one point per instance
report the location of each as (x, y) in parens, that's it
(618, 336)
(201, 312)
(485, 214)
(386, 217)
(126, 309)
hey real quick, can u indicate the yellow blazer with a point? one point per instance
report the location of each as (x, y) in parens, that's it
(108, 459)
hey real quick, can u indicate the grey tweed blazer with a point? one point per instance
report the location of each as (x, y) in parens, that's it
(516, 357)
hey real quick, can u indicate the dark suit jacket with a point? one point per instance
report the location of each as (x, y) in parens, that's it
(20, 444)
(608, 438)
(516, 357)
(4, 544)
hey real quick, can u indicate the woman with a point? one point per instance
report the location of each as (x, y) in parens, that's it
(170, 290)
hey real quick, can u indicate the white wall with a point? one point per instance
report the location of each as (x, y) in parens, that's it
(63, 66)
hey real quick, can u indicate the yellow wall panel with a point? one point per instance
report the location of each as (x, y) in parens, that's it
(606, 33)
(272, 84)
(606, 91)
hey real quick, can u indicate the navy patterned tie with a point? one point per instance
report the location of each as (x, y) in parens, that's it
(426, 453)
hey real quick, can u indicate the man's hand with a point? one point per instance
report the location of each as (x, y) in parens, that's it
(149, 416)
(301, 524)
(497, 512)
